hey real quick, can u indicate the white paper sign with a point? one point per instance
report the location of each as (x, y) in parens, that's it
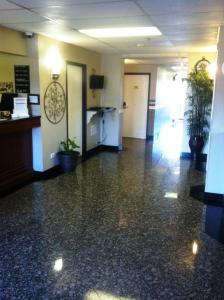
(20, 108)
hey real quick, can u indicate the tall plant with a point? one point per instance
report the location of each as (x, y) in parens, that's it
(199, 96)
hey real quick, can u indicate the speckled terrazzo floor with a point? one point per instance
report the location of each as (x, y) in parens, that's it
(107, 232)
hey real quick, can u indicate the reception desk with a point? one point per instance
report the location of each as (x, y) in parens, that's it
(16, 159)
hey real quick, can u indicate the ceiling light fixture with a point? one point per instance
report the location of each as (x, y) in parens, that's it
(140, 45)
(121, 32)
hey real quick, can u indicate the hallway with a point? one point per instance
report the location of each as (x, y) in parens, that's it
(123, 227)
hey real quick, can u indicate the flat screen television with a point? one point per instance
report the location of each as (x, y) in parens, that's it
(96, 82)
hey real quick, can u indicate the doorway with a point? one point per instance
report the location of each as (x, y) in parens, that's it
(136, 95)
(76, 104)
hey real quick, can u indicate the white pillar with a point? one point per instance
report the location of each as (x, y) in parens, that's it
(215, 163)
(112, 96)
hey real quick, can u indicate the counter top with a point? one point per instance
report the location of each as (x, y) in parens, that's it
(101, 109)
(19, 124)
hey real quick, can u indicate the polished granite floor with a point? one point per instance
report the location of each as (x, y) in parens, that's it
(121, 227)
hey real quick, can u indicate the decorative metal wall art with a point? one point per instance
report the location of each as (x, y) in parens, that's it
(202, 64)
(54, 102)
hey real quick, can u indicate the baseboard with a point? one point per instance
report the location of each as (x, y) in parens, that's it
(36, 176)
(10, 190)
(198, 193)
(187, 156)
(91, 152)
(109, 148)
(48, 174)
(98, 149)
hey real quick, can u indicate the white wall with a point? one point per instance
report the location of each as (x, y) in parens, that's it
(112, 96)
(54, 133)
(164, 97)
(215, 161)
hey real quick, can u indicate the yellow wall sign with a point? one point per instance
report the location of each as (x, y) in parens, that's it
(135, 87)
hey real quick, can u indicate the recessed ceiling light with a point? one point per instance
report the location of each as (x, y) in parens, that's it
(140, 45)
(130, 61)
(121, 32)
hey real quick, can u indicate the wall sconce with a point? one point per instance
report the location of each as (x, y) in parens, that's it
(55, 72)
(54, 62)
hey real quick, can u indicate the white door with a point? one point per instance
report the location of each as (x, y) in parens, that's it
(74, 90)
(136, 93)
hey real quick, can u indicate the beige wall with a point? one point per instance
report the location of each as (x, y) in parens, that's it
(33, 52)
(194, 57)
(52, 134)
(7, 62)
(12, 42)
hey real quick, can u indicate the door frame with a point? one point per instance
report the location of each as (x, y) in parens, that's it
(84, 101)
(149, 75)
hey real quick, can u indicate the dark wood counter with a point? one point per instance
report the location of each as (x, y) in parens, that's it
(16, 156)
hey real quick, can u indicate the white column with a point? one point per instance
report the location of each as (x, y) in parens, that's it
(215, 163)
(112, 96)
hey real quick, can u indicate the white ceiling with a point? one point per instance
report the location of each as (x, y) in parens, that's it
(186, 25)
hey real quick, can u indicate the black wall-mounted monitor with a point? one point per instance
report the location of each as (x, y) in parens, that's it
(96, 82)
(7, 102)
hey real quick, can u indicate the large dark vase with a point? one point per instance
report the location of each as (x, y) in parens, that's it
(196, 144)
(68, 160)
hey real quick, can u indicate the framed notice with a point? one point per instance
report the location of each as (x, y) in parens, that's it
(22, 79)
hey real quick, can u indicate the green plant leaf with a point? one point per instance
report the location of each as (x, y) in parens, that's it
(199, 97)
(68, 145)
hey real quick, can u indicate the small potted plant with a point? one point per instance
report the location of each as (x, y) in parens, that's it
(68, 155)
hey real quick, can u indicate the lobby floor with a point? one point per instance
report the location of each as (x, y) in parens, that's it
(121, 227)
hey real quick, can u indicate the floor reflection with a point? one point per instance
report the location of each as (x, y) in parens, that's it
(96, 295)
(106, 232)
(170, 139)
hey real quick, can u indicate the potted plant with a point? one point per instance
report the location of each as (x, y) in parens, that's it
(68, 155)
(200, 91)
